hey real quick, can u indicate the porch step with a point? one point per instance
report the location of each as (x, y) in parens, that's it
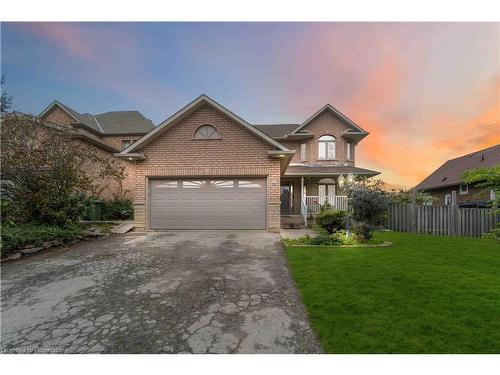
(292, 222)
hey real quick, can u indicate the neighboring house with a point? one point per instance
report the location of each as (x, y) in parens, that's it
(118, 129)
(206, 168)
(447, 187)
(110, 132)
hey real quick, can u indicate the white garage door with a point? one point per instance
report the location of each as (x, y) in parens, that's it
(236, 203)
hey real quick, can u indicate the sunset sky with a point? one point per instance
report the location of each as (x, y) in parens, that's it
(426, 92)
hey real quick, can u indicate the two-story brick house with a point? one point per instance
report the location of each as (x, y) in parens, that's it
(206, 168)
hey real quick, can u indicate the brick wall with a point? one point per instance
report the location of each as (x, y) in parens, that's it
(116, 140)
(58, 116)
(474, 194)
(325, 124)
(239, 153)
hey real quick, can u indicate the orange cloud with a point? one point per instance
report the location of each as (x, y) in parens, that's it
(406, 162)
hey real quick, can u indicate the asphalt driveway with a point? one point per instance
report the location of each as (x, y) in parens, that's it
(189, 292)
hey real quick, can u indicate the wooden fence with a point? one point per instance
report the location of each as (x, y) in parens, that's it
(442, 220)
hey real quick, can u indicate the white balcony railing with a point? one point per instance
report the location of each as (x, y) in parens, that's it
(314, 203)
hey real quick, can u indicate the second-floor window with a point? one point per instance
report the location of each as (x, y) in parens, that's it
(125, 143)
(349, 150)
(303, 152)
(326, 147)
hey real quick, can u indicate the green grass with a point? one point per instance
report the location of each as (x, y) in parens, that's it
(424, 294)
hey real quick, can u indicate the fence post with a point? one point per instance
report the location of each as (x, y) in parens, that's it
(455, 226)
(413, 212)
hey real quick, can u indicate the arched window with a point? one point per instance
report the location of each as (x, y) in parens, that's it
(207, 132)
(326, 147)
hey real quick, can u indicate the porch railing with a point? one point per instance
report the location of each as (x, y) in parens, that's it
(303, 210)
(314, 203)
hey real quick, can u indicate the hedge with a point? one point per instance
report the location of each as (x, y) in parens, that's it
(17, 237)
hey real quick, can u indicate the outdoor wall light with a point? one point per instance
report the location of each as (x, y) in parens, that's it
(341, 180)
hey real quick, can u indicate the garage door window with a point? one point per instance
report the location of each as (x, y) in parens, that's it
(168, 185)
(207, 184)
(249, 184)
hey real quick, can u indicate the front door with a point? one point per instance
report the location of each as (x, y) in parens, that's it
(286, 198)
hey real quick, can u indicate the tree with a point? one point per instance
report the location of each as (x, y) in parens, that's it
(49, 171)
(5, 100)
(402, 196)
(489, 178)
(369, 209)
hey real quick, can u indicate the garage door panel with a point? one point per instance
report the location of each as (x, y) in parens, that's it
(208, 204)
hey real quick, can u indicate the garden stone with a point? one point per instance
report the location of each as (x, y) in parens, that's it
(12, 257)
(51, 244)
(31, 250)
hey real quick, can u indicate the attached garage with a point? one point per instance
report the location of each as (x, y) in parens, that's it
(216, 203)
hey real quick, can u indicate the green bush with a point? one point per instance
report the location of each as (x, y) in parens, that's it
(16, 237)
(369, 209)
(494, 234)
(331, 220)
(325, 239)
(118, 209)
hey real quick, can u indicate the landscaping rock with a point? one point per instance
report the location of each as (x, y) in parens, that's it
(31, 250)
(51, 244)
(12, 257)
(93, 233)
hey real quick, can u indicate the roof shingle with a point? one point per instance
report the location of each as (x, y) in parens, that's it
(333, 170)
(449, 173)
(277, 130)
(117, 122)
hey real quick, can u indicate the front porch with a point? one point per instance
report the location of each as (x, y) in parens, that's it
(302, 197)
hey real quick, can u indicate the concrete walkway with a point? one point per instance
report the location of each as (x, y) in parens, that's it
(194, 292)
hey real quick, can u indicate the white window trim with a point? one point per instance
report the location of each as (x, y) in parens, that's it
(492, 195)
(303, 152)
(126, 142)
(446, 200)
(197, 135)
(325, 156)
(466, 190)
(349, 150)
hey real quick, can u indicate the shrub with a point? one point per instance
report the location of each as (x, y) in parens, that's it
(494, 234)
(331, 220)
(118, 209)
(16, 237)
(370, 209)
(335, 239)
(49, 171)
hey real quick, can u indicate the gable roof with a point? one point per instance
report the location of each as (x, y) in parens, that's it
(336, 112)
(124, 122)
(186, 111)
(75, 134)
(449, 173)
(117, 122)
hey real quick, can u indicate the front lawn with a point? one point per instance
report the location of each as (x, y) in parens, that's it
(424, 294)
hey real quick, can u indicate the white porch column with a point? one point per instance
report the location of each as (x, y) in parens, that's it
(302, 187)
